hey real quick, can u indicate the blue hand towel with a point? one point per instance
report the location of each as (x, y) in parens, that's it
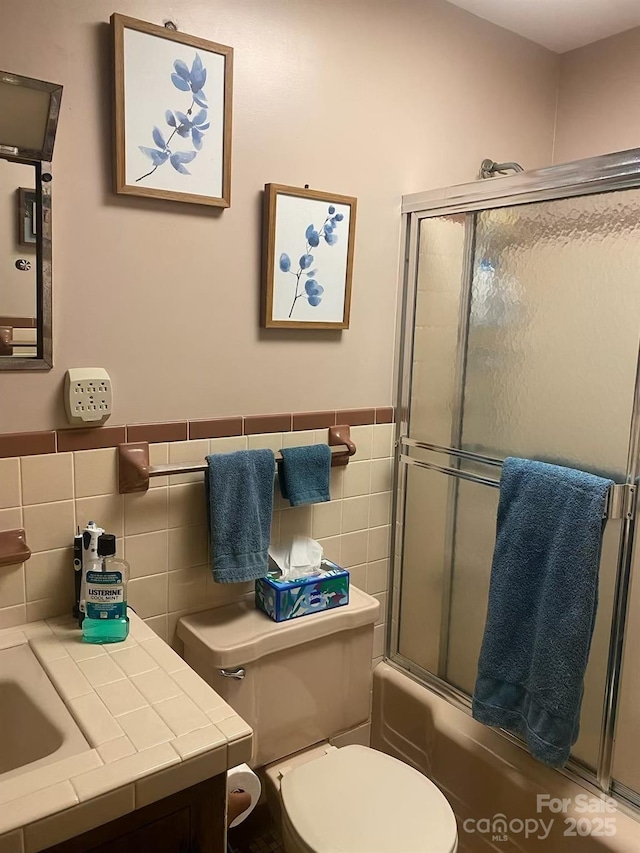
(240, 500)
(304, 474)
(542, 605)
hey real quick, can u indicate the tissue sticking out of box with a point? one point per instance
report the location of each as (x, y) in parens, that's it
(299, 558)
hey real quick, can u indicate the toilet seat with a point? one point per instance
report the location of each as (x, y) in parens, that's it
(359, 800)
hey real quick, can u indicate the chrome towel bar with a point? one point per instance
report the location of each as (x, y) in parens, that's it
(620, 499)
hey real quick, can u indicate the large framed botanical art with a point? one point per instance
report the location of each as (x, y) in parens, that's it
(173, 96)
(308, 248)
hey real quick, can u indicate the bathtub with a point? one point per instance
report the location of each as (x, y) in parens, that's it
(504, 800)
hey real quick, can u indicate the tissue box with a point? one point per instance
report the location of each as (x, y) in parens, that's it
(282, 600)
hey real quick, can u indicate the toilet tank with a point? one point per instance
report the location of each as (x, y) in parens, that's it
(304, 681)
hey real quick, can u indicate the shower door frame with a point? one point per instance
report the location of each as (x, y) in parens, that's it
(596, 175)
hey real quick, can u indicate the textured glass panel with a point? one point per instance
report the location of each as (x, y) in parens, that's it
(439, 285)
(424, 559)
(550, 373)
(553, 335)
(475, 533)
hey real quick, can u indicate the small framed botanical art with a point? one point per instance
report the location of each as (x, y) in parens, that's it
(27, 217)
(172, 114)
(307, 258)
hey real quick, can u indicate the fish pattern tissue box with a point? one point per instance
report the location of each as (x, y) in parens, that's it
(289, 599)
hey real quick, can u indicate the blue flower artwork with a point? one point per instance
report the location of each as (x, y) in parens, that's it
(307, 287)
(191, 125)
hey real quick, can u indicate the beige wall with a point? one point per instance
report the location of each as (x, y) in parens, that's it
(369, 98)
(597, 98)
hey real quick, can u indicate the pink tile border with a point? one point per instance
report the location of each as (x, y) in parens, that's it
(48, 441)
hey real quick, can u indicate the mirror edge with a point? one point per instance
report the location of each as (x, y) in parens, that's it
(44, 283)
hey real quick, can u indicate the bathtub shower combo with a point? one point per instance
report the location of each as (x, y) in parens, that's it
(520, 330)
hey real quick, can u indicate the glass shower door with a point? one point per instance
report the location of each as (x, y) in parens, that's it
(525, 343)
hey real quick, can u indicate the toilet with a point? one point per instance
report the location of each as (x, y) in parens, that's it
(301, 684)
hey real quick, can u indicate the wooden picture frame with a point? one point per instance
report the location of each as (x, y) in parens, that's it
(308, 246)
(27, 217)
(173, 113)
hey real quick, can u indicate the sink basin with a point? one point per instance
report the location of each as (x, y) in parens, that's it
(35, 726)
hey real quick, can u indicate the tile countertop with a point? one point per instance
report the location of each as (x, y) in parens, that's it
(153, 727)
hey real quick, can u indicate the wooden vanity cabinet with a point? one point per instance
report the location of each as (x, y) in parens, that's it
(191, 821)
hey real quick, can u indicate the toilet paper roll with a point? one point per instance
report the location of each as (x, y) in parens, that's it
(242, 778)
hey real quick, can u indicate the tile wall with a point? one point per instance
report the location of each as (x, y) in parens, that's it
(162, 533)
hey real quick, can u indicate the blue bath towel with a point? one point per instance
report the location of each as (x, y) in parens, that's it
(542, 605)
(304, 474)
(240, 500)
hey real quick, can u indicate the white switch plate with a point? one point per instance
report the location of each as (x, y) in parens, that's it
(88, 397)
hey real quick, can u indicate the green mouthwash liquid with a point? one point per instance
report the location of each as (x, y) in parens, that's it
(106, 619)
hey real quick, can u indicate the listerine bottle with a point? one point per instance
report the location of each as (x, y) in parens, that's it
(106, 619)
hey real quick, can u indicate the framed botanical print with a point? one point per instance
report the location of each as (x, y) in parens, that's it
(172, 114)
(307, 258)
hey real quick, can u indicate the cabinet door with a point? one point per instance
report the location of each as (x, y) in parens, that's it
(170, 834)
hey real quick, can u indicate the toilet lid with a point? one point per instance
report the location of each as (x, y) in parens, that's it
(358, 800)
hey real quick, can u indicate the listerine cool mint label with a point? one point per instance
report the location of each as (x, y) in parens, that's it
(105, 596)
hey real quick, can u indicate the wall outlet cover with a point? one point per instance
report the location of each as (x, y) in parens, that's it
(88, 396)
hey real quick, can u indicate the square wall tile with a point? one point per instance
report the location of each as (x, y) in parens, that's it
(267, 441)
(332, 548)
(358, 576)
(355, 514)
(353, 549)
(188, 546)
(229, 444)
(107, 511)
(326, 519)
(187, 505)
(47, 478)
(50, 574)
(48, 608)
(383, 436)
(362, 437)
(9, 483)
(159, 625)
(50, 526)
(12, 616)
(95, 472)
(146, 512)
(379, 543)
(187, 451)
(302, 438)
(357, 477)
(149, 595)
(147, 553)
(12, 585)
(377, 577)
(158, 455)
(381, 475)
(336, 482)
(187, 588)
(12, 518)
(380, 509)
(295, 522)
